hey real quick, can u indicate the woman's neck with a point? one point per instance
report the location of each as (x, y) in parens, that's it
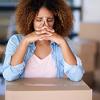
(43, 43)
(42, 49)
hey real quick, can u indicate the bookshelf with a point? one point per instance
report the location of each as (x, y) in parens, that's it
(76, 6)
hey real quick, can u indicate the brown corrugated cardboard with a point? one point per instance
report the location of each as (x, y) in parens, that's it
(98, 61)
(2, 49)
(86, 50)
(88, 62)
(85, 45)
(90, 31)
(98, 56)
(97, 77)
(89, 79)
(47, 89)
(2, 98)
(96, 95)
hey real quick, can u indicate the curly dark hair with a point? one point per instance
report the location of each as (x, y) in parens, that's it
(27, 10)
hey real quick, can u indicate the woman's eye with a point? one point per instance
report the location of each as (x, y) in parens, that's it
(39, 20)
(50, 20)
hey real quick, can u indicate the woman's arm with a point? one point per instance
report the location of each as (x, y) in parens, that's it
(73, 67)
(12, 72)
(71, 63)
(14, 64)
(67, 53)
(18, 56)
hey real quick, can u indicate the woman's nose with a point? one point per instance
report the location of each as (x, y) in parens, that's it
(45, 23)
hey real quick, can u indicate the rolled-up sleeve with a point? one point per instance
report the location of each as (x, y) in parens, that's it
(74, 72)
(10, 72)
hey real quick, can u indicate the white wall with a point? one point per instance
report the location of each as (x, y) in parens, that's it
(91, 11)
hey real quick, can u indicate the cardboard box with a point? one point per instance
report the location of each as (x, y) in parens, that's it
(2, 98)
(90, 31)
(98, 56)
(2, 50)
(98, 60)
(86, 50)
(96, 95)
(47, 89)
(97, 77)
(89, 79)
(88, 62)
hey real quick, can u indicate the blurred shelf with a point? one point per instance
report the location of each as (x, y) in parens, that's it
(3, 42)
(7, 7)
(76, 8)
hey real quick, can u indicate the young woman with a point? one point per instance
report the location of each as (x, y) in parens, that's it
(40, 50)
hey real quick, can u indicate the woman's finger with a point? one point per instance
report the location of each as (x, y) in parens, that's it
(45, 28)
(42, 36)
(43, 32)
(48, 29)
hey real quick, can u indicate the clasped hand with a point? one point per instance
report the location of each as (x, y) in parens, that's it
(44, 33)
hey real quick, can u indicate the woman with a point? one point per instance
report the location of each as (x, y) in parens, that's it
(40, 50)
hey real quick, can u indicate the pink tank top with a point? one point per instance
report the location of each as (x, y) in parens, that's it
(40, 68)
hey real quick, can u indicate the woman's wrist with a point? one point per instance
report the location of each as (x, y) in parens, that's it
(62, 43)
(24, 42)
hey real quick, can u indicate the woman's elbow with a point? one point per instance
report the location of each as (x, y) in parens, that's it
(8, 77)
(76, 76)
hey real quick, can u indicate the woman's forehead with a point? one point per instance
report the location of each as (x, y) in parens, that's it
(44, 12)
(43, 17)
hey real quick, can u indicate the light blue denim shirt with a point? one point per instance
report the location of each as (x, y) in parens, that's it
(10, 73)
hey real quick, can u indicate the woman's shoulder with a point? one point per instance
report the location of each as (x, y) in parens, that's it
(15, 38)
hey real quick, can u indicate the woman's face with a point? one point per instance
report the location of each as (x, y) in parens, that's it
(44, 18)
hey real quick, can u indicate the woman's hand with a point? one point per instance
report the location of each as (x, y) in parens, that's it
(51, 35)
(66, 51)
(55, 38)
(44, 33)
(37, 35)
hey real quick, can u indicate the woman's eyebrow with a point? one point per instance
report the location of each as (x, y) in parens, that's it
(39, 17)
(50, 18)
(44, 17)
